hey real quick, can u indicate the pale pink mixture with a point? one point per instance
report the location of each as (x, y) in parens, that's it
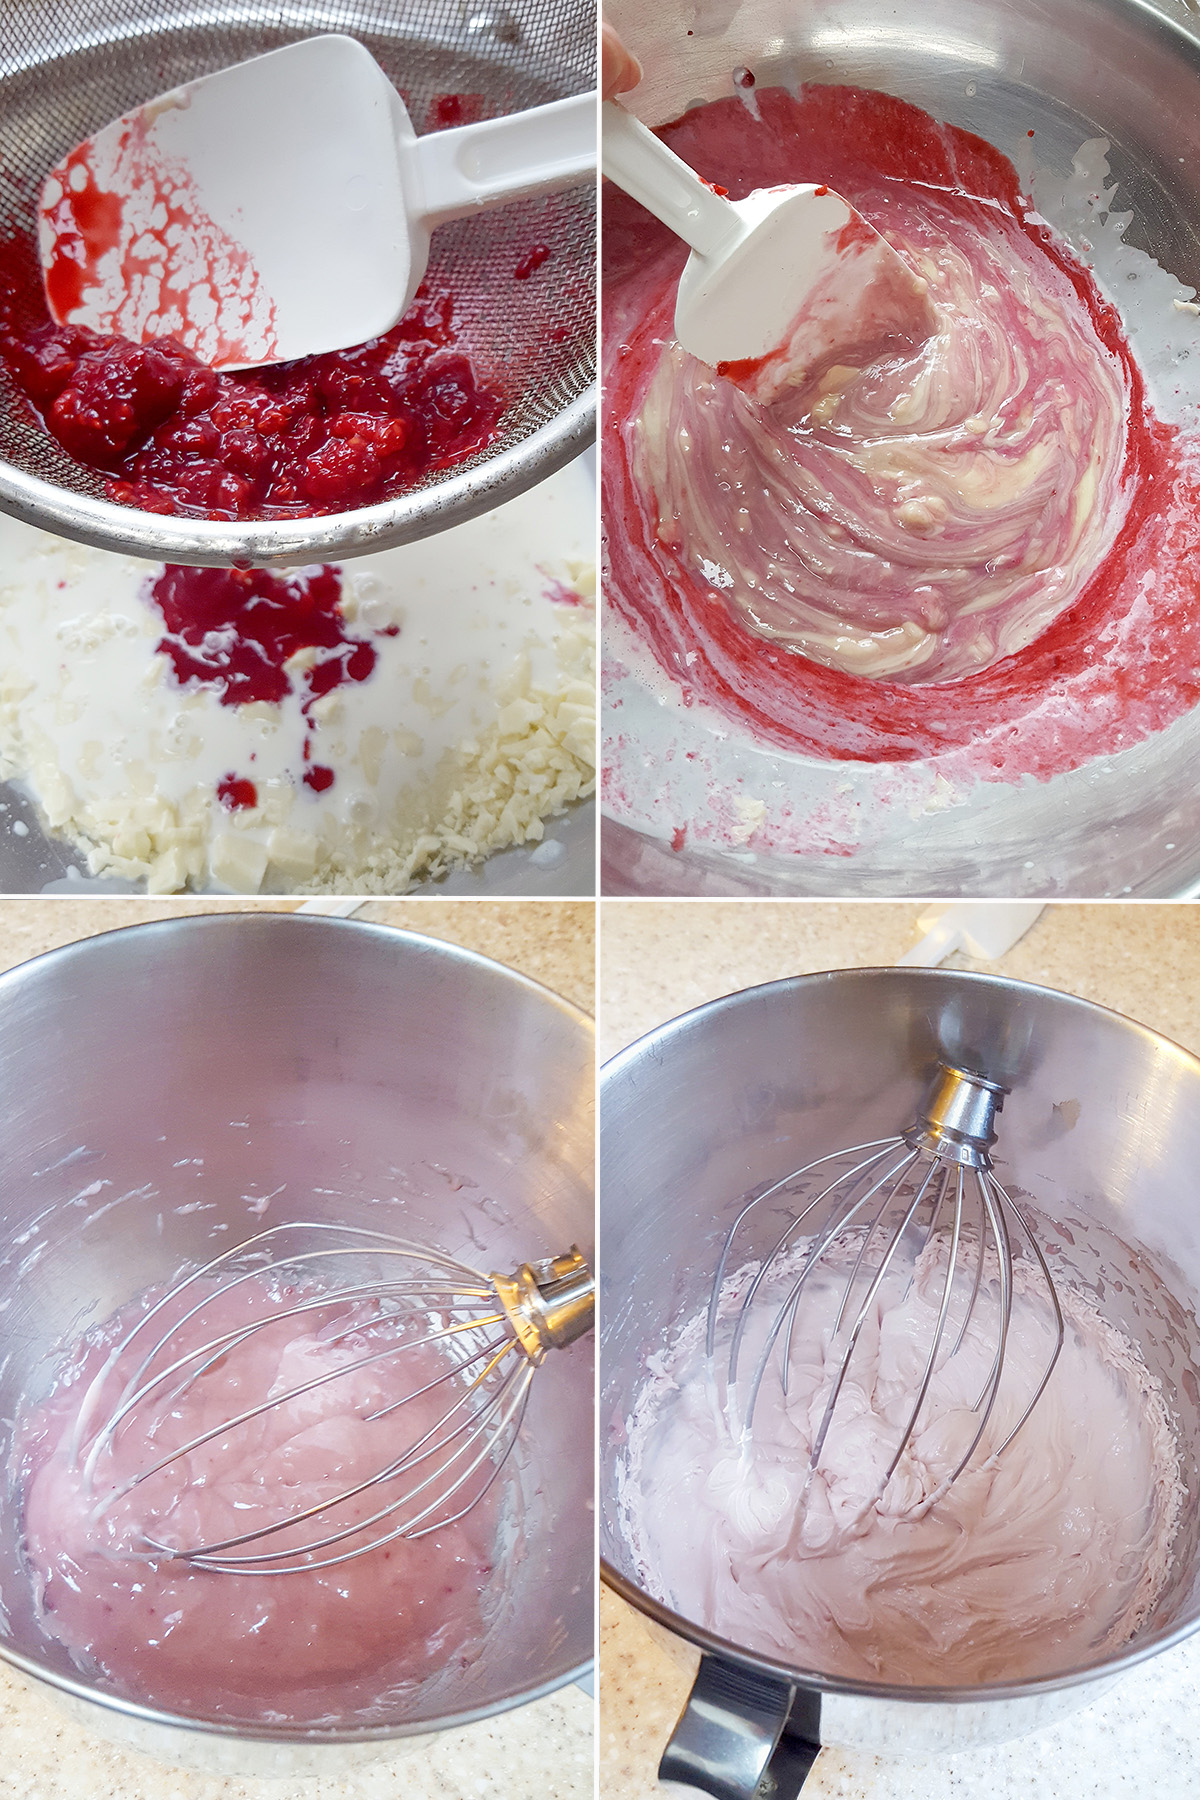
(298, 1646)
(865, 297)
(1054, 1554)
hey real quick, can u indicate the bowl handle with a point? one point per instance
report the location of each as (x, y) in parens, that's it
(743, 1736)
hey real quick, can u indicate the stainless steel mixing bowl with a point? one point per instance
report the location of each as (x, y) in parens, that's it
(157, 1084)
(1101, 1133)
(1125, 70)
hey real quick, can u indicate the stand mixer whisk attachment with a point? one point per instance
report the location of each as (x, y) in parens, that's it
(381, 1381)
(880, 1214)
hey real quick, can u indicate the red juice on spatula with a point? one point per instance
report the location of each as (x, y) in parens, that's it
(281, 208)
(780, 286)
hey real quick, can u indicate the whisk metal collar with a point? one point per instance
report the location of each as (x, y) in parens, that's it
(957, 1124)
(549, 1304)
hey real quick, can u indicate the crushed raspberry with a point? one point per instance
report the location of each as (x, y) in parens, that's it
(530, 264)
(322, 435)
(115, 396)
(448, 110)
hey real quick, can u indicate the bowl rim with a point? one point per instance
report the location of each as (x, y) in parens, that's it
(274, 910)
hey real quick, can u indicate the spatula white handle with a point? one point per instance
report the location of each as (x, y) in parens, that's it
(638, 162)
(535, 152)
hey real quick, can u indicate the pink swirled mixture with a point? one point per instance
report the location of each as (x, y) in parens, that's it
(321, 1643)
(923, 514)
(983, 540)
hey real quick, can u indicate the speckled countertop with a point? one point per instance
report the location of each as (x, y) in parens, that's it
(543, 1751)
(658, 958)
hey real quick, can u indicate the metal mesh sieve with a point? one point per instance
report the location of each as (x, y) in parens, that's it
(68, 68)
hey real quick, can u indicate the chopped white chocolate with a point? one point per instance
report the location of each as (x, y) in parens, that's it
(237, 862)
(475, 722)
(293, 853)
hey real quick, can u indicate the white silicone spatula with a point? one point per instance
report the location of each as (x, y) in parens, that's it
(282, 207)
(778, 285)
(983, 928)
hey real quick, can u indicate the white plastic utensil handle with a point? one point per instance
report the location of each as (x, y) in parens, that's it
(982, 928)
(663, 183)
(331, 909)
(473, 166)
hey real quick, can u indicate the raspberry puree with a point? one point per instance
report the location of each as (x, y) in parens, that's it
(985, 543)
(289, 1646)
(236, 630)
(323, 435)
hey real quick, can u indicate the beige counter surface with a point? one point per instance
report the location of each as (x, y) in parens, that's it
(543, 1751)
(660, 958)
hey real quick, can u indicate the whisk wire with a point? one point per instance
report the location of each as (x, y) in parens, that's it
(884, 1208)
(262, 1258)
(442, 1304)
(1060, 1328)
(864, 1311)
(256, 1564)
(937, 1197)
(882, 1144)
(374, 1291)
(991, 1387)
(206, 1552)
(780, 1244)
(819, 1246)
(943, 1314)
(981, 1246)
(220, 1346)
(859, 1260)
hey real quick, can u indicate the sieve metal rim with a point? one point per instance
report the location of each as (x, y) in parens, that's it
(267, 543)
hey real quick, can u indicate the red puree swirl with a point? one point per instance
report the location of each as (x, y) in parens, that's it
(1116, 664)
(322, 435)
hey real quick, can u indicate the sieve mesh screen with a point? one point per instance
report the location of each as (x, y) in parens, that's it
(69, 68)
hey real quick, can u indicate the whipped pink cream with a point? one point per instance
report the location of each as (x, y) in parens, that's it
(1031, 1564)
(297, 1646)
